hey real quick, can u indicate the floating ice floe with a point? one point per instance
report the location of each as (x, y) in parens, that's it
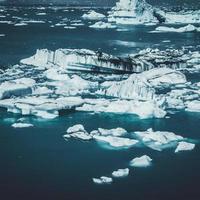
(143, 161)
(117, 142)
(103, 180)
(77, 131)
(184, 146)
(158, 140)
(120, 173)
(188, 28)
(113, 132)
(22, 125)
(102, 25)
(21, 24)
(92, 15)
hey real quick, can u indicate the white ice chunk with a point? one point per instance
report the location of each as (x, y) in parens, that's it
(102, 180)
(22, 125)
(184, 146)
(92, 15)
(113, 132)
(143, 161)
(120, 173)
(117, 142)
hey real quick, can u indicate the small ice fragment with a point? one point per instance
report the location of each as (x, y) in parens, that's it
(121, 173)
(102, 180)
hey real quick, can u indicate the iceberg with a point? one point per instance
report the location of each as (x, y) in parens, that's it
(103, 180)
(87, 60)
(92, 15)
(22, 125)
(140, 12)
(184, 146)
(120, 173)
(133, 12)
(143, 161)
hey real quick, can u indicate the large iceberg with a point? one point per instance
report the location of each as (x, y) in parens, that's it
(140, 12)
(133, 12)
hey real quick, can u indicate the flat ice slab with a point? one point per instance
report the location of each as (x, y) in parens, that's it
(103, 180)
(143, 161)
(120, 173)
(184, 146)
(22, 125)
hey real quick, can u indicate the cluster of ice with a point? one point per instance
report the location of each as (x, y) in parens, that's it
(111, 137)
(103, 180)
(103, 25)
(120, 173)
(184, 146)
(93, 15)
(49, 86)
(21, 125)
(187, 28)
(143, 161)
(116, 174)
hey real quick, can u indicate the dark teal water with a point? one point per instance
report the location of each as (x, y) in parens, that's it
(37, 163)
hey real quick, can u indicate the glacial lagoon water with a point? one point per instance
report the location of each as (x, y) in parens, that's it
(37, 163)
